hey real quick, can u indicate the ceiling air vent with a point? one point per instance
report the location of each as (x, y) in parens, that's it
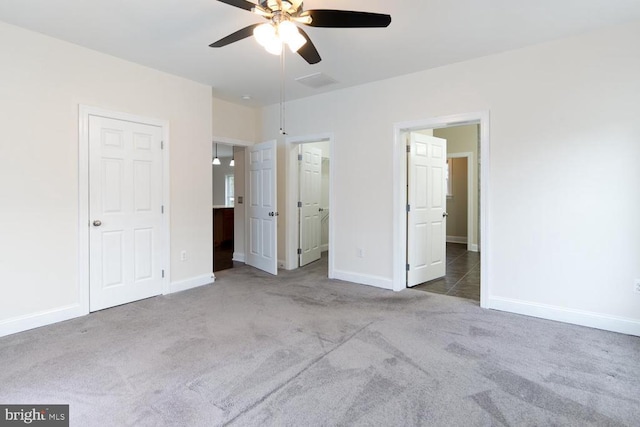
(316, 80)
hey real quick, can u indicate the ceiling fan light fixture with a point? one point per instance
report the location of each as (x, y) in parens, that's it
(267, 36)
(290, 34)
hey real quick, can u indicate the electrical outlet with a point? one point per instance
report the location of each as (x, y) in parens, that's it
(637, 286)
(183, 256)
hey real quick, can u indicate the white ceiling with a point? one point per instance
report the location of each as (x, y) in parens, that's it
(173, 36)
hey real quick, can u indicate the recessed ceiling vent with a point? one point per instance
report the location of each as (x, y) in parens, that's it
(316, 80)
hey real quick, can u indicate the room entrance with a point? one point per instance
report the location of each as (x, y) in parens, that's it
(441, 216)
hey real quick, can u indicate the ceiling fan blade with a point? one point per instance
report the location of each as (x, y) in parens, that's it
(242, 4)
(308, 51)
(238, 35)
(346, 19)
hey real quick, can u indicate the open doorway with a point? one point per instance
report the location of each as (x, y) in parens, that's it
(228, 213)
(308, 233)
(461, 260)
(454, 245)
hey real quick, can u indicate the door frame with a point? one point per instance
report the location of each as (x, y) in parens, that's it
(471, 169)
(292, 235)
(84, 113)
(400, 195)
(237, 256)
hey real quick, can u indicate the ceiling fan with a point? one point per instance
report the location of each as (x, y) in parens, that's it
(281, 29)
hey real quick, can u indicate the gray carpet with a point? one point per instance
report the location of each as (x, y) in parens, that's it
(300, 350)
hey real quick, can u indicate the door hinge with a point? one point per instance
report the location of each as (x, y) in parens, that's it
(408, 267)
(408, 148)
(162, 273)
(162, 209)
(299, 251)
(299, 157)
(299, 204)
(162, 145)
(408, 208)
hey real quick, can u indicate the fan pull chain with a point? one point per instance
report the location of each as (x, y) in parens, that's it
(282, 92)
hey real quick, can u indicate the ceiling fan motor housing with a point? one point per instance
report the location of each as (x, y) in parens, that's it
(287, 6)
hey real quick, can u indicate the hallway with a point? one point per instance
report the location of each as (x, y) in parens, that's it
(463, 274)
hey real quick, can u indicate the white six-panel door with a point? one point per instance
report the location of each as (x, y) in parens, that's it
(262, 214)
(125, 217)
(426, 217)
(310, 199)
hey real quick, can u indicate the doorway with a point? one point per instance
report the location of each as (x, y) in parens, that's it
(309, 202)
(223, 177)
(124, 207)
(476, 223)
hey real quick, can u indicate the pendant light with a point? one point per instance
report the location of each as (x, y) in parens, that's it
(232, 163)
(216, 160)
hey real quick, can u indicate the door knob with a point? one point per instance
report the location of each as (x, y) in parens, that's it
(320, 210)
(97, 223)
(445, 214)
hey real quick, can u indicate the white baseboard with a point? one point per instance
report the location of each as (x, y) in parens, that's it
(456, 239)
(43, 318)
(324, 248)
(238, 256)
(363, 279)
(473, 247)
(194, 282)
(567, 315)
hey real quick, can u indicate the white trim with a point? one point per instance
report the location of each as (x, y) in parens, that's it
(473, 248)
(43, 318)
(238, 256)
(400, 194)
(567, 315)
(324, 247)
(230, 141)
(364, 279)
(194, 282)
(84, 112)
(457, 239)
(471, 224)
(291, 187)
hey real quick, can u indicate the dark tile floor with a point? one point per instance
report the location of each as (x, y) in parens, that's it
(463, 274)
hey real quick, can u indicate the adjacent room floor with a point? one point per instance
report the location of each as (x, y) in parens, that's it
(463, 274)
(301, 350)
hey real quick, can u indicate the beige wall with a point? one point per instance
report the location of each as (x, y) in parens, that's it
(42, 83)
(235, 122)
(457, 201)
(564, 134)
(464, 139)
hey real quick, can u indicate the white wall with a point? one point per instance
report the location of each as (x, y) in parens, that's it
(563, 205)
(42, 82)
(239, 209)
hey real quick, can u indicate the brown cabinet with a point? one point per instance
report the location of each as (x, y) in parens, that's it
(222, 238)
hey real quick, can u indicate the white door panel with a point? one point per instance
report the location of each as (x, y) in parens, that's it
(426, 219)
(310, 198)
(125, 199)
(262, 214)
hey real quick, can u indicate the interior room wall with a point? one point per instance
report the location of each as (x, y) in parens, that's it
(232, 121)
(464, 139)
(563, 148)
(42, 83)
(219, 172)
(239, 209)
(457, 203)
